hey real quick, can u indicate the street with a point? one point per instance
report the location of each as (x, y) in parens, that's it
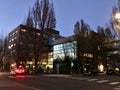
(6, 84)
(57, 82)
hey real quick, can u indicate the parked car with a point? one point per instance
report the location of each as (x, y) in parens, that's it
(90, 73)
(111, 72)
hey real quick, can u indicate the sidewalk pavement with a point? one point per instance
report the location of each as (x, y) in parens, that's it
(4, 73)
(69, 75)
(62, 75)
(56, 75)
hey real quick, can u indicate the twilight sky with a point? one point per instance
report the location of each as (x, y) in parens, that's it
(93, 12)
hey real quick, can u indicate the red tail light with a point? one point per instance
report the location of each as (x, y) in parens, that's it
(17, 70)
(23, 70)
(20, 70)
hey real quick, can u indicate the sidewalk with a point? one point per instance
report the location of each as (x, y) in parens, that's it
(62, 75)
(56, 75)
(70, 75)
(4, 73)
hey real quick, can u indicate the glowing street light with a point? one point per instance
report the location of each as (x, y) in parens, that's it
(117, 17)
(116, 23)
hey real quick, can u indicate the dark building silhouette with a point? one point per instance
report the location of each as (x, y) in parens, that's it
(26, 43)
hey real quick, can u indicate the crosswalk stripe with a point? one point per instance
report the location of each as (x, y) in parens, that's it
(101, 81)
(117, 88)
(74, 78)
(92, 79)
(77, 78)
(83, 78)
(114, 83)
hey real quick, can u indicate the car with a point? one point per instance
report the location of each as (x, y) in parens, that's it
(111, 72)
(18, 71)
(90, 73)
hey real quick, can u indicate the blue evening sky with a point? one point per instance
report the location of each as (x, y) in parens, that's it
(93, 12)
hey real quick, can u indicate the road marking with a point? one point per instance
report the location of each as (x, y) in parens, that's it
(20, 76)
(55, 75)
(114, 83)
(92, 79)
(74, 78)
(101, 81)
(33, 88)
(83, 78)
(77, 78)
(117, 88)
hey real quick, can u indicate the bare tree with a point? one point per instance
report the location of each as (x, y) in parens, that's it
(82, 31)
(3, 46)
(42, 15)
(29, 21)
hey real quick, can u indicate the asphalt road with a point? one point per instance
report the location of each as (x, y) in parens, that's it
(7, 84)
(59, 83)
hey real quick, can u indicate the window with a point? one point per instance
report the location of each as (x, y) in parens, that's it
(21, 43)
(23, 30)
(14, 44)
(9, 47)
(16, 31)
(69, 48)
(44, 54)
(9, 40)
(38, 34)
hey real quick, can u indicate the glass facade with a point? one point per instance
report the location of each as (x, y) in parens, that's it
(113, 55)
(67, 48)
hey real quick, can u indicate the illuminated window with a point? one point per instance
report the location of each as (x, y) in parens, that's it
(9, 40)
(9, 47)
(38, 34)
(21, 43)
(12, 39)
(16, 31)
(15, 38)
(14, 44)
(23, 30)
